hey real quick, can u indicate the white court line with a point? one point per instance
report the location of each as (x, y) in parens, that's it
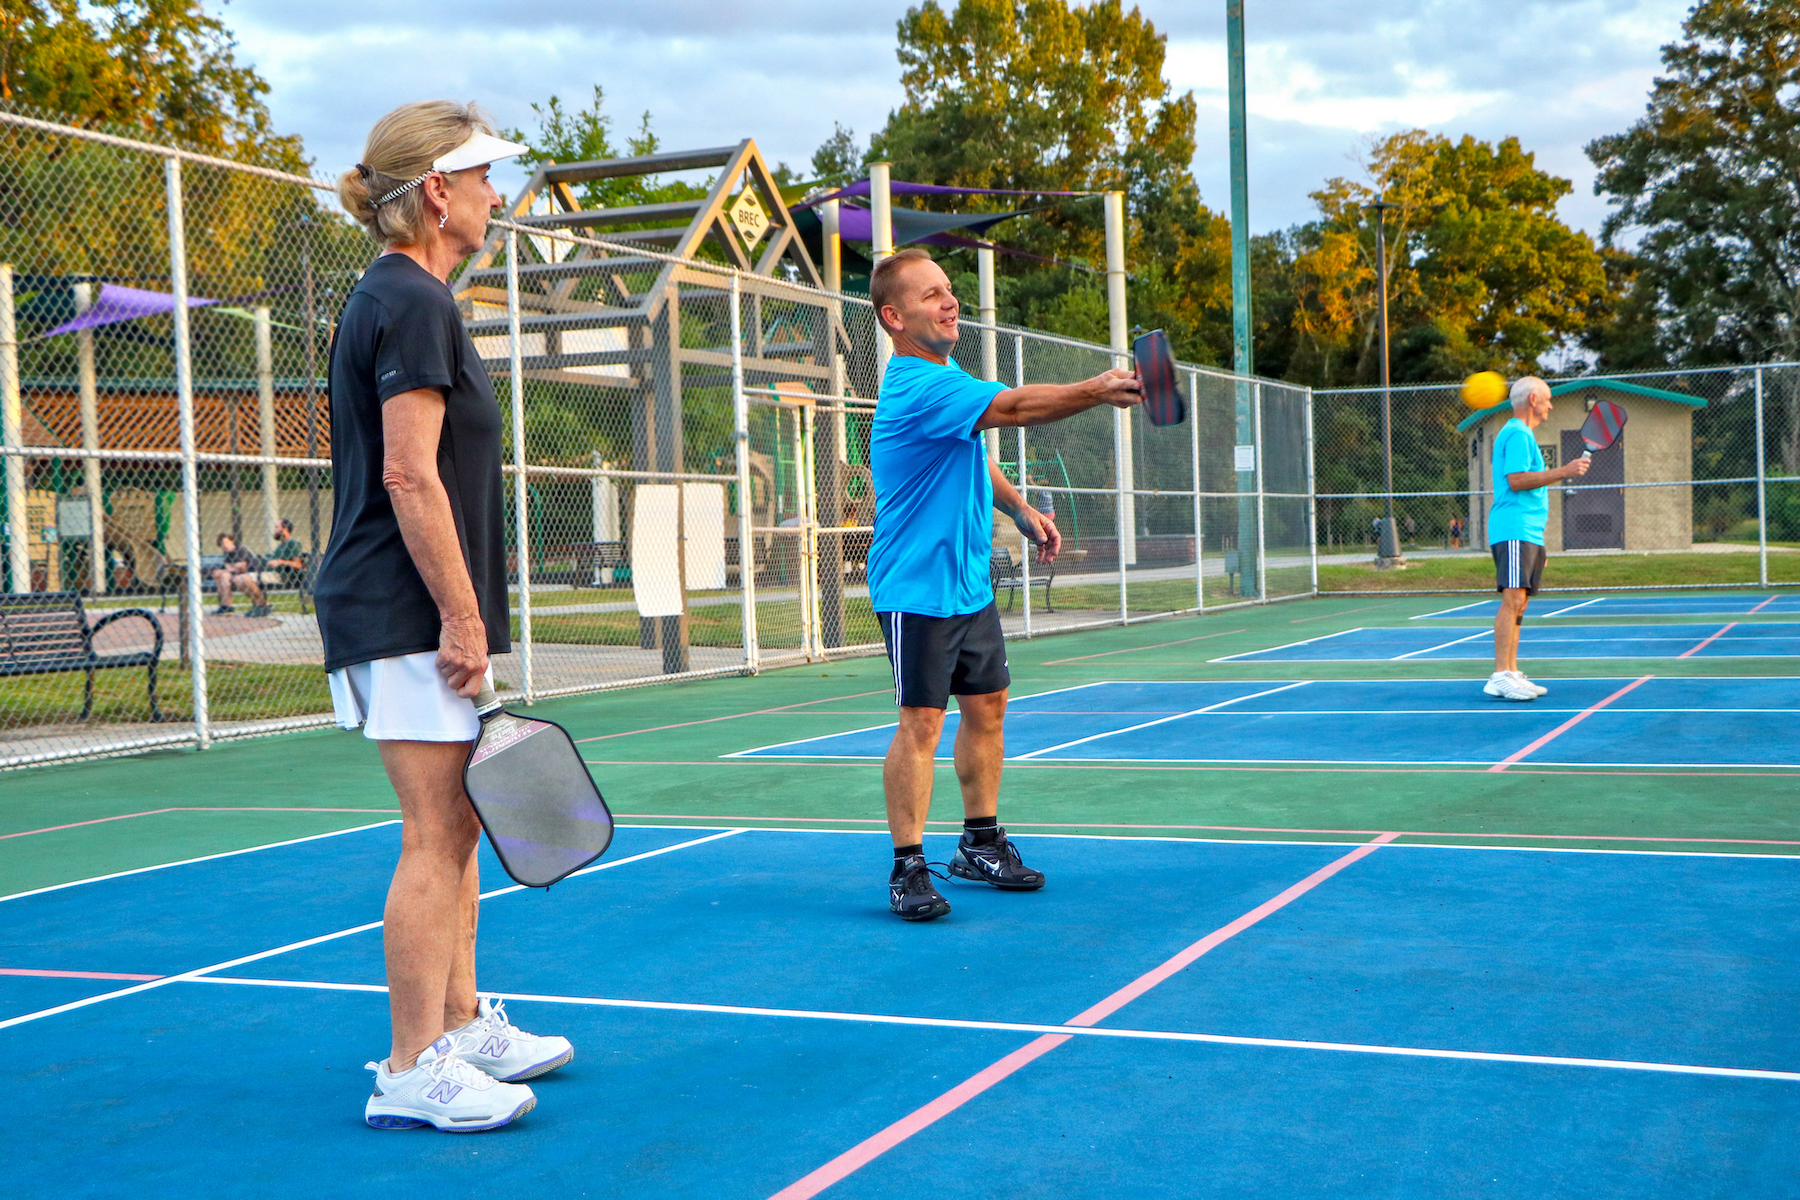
(1480, 633)
(1159, 721)
(1447, 611)
(1160, 1035)
(198, 972)
(759, 750)
(57, 887)
(1290, 645)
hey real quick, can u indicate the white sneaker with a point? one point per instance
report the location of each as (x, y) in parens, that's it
(1503, 685)
(445, 1091)
(1537, 688)
(497, 1046)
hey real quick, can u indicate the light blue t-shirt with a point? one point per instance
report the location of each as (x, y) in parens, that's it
(933, 498)
(1517, 516)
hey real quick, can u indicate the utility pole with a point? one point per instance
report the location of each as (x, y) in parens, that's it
(1243, 359)
(1387, 550)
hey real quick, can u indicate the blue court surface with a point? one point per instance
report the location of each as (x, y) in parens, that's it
(1709, 604)
(1649, 721)
(1423, 643)
(1345, 1019)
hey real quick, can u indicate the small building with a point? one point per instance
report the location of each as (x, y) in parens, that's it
(1657, 445)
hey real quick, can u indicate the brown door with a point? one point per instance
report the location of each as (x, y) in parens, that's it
(1594, 520)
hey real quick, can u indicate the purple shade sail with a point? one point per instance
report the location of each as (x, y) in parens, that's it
(899, 188)
(117, 302)
(912, 226)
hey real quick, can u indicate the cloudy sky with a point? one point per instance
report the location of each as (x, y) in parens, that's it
(1323, 75)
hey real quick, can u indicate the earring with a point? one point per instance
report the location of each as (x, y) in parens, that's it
(443, 218)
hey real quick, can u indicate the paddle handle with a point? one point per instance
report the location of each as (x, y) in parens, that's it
(485, 701)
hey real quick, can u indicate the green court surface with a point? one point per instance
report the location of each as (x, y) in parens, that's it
(657, 754)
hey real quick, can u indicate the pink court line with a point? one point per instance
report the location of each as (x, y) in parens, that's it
(872, 1148)
(1715, 637)
(192, 808)
(1134, 649)
(732, 716)
(1407, 833)
(1577, 719)
(72, 974)
(1762, 606)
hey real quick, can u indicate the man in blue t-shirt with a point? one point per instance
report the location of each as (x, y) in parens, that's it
(928, 570)
(1516, 529)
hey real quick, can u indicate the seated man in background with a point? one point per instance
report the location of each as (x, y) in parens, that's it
(287, 558)
(239, 571)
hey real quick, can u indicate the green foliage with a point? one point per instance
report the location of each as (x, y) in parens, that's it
(1708, 185)
(581, 135)
(1046, 94)
(837, 161)
(164, 68)
(1481, 272)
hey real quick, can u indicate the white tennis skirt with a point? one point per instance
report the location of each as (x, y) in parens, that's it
(403, 699)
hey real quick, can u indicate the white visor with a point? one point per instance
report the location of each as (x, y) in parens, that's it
(479, 150)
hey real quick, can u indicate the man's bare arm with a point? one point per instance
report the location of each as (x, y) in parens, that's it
(1525, 481)
(1043, 403)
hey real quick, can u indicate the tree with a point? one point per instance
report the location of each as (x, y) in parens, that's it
(837, 161)
(1481, 273)
(587, 133)
(1046, 94)
(162, 67)
(1708, 183)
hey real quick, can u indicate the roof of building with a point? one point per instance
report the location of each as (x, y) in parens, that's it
(1576, 385)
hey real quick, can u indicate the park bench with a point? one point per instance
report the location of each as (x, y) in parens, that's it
(596, 564)
(47, 633)
(1011, 575)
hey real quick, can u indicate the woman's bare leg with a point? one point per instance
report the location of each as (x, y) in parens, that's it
(429, 935)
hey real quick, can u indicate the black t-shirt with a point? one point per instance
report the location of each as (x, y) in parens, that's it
(400, 332)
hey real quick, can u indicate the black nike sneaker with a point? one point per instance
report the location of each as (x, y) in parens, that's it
(911, 893)
(996, 862)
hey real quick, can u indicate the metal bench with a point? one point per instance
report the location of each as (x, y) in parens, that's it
(1011, 575)
(597, 564)
(47, 633)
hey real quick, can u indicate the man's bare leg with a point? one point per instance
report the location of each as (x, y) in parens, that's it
(1506, 628)
(906, 773)
(980, 750)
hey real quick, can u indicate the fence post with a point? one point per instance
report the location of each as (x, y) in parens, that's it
(1199, 528)
(1312, 498)
(90, 440)
(1762, 497)
(806, 472)
(740, 415)
(18, 554)
(521, 485)
(265, 418)
(1262, 524)
(1124, 462)
(190, 474)
(1025, 546)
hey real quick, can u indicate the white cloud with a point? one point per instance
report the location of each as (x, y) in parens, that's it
(1322, 74)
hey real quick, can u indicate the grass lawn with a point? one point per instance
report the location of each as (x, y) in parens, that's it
(235, 692)
(777, 622)
(1563, 571)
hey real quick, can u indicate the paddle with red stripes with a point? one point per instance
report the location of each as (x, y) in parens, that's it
(1605, 422)
(543, 815)
(1156, 371)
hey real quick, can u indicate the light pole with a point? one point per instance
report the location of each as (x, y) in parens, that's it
(1387, 550)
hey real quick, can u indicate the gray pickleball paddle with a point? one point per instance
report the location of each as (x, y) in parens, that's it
(543, 814)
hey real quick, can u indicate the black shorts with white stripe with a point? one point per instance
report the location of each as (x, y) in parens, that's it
(1518, 565)
(935, 658)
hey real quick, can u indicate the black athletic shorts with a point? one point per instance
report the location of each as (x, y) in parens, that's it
(935, 658)
(1518, 565)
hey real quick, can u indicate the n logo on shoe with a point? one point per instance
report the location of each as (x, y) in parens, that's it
(495, 1047)
(444, 1091)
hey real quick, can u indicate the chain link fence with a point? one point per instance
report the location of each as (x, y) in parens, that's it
(1703, 487)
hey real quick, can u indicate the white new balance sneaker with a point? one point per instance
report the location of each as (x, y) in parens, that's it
(1537, 688)
(1503, 685)
(495, 1045)
(445, 1091)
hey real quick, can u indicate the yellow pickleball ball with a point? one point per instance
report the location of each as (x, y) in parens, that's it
(1484, 389)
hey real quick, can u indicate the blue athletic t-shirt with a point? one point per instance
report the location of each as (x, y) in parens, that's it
(1517, 516)
(933, 498)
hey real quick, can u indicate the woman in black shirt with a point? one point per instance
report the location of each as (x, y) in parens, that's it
(412, 600)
